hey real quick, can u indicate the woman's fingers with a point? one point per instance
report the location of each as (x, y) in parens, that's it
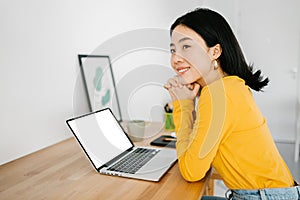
(173, 82)
(180, 80)
(167, 86)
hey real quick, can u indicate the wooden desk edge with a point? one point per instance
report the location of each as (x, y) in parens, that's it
(32, 171)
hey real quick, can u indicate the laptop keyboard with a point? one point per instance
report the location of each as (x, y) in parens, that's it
(134, 161)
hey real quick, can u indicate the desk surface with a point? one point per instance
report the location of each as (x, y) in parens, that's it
(62, 171)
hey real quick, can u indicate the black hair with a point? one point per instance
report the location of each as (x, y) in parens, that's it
(214, 29)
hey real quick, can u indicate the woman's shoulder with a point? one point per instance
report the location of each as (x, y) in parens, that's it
(230, 86)
(227, 82)
(233, 80)
(235, 84)
(236, 90)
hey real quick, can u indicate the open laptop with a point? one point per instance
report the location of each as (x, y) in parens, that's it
(111, 151)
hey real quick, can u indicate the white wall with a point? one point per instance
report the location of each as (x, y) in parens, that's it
(271, 40)
(40, 41)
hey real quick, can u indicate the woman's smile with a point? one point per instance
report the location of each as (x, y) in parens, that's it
(182, 70)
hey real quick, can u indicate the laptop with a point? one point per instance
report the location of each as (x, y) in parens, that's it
(111, 151)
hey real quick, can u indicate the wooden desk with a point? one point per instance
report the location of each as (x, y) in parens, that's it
(62, 171)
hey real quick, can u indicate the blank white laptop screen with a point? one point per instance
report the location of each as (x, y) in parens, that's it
(95, 138)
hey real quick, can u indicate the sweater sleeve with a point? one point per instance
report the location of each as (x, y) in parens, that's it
(198, 141)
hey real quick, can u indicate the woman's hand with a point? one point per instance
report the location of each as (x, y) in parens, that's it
(180, 90)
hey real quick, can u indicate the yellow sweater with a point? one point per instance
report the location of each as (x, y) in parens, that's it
(229, 133)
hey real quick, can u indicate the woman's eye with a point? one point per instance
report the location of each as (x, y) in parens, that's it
(186, 46)
(172, 50)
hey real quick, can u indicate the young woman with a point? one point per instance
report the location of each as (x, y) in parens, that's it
(226, 130)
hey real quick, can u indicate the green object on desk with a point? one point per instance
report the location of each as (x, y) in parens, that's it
(169, 122)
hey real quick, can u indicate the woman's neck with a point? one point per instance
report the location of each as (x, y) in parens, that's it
(212, 77)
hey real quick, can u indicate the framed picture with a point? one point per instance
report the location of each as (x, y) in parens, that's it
(99, 83)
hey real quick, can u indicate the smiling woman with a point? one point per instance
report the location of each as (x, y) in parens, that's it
(210, 64)
(191, 58)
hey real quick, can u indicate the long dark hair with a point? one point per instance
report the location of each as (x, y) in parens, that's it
(214, 29)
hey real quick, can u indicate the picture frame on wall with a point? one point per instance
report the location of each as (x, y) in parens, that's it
(99, 83)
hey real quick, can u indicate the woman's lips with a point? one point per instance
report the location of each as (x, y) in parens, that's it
(182, 70)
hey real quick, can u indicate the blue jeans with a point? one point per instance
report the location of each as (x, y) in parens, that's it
(292, 193)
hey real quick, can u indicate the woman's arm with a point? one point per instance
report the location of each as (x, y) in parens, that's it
(198, 141)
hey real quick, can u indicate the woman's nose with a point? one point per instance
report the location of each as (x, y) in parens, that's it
(177, 58)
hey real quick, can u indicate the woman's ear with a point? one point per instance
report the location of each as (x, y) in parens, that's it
(215, 51)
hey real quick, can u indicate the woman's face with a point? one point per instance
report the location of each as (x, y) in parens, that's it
(190, 57)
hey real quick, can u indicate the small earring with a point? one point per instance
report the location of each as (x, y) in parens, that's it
(215, 63)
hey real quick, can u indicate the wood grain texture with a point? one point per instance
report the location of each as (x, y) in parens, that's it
(62, 171)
